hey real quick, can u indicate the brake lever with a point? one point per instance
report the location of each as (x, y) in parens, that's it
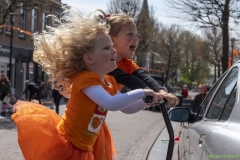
(148, 99)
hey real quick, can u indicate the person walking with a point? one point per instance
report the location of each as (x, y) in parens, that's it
(199, 97)
(185, 91)
(56, 99)
(5, 86)
(33, 89)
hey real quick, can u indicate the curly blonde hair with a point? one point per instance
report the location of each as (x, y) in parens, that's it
(59, 50)
(116, 21)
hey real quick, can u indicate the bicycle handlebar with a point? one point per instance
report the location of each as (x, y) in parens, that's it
(148, 99)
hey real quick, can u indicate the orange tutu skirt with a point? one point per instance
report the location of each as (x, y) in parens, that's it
(39, 138)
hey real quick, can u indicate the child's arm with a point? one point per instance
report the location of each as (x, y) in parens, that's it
(136, 80)
(116, 102)
(129, 80)
(148, 80)
(135, 107)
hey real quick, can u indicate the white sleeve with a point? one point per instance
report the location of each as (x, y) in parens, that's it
(113, 103)
(135, 107)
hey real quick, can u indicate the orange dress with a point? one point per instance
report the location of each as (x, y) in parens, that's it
(81, 133)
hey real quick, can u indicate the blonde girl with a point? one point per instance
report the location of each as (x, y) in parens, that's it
(77, 55)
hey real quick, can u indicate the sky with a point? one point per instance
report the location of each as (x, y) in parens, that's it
(159, 7)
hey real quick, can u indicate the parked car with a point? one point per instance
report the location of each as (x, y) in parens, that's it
(214, 131)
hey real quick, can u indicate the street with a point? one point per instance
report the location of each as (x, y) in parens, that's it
(133, 134)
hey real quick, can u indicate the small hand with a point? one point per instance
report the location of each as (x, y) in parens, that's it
(150, 92)
(172, 100)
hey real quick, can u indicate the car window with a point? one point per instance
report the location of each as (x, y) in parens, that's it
(229, 105)
(207, 99)
(222, 95)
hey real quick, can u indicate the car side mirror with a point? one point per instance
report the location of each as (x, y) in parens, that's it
(179, 114)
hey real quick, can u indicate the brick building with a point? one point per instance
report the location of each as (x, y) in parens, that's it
(24, 22)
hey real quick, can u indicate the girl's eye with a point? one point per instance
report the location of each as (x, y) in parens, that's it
(107, 47)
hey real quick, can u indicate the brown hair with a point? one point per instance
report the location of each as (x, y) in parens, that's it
(116, 21)
(5, 77)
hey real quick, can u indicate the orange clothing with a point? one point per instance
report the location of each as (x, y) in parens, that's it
(83, 117)
(128, 66)
(38, 137)
(43, 134)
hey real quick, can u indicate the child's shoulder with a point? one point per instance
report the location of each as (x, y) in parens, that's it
(86, 76)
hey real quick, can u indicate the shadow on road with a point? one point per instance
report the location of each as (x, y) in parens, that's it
(7, 123)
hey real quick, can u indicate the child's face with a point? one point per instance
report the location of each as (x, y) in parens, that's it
(104, 55)
(126, 41)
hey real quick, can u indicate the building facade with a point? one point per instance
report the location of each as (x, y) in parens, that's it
(16, 42)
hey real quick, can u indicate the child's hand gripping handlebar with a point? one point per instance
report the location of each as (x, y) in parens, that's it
(148, 99)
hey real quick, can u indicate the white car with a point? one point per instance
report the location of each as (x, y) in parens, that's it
(214, 131)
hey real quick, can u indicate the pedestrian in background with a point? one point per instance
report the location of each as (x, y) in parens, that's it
(56, 99)
(199, 98)
(33, 89)
(185, 91)
(4, 86)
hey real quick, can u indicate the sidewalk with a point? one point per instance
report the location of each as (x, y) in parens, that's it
(50, 99)
(159, 148)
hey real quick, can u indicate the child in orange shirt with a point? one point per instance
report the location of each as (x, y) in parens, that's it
(77, 55)
(123, 33)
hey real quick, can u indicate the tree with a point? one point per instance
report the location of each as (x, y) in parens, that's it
(207, 13)
(170, 49)
(9, 6)
(213, 38)
(130, 7)
(192, 66)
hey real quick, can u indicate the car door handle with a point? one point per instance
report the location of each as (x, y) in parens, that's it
(201, 140)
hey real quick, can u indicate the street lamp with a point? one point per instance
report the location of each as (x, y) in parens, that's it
(11, 39)
(232, 45)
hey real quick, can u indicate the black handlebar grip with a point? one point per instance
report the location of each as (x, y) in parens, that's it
(148, 99)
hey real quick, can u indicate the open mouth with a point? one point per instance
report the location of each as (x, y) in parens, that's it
(113, 59)
(133, 48)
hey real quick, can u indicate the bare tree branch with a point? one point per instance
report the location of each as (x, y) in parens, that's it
(130, 7)
(208, 13)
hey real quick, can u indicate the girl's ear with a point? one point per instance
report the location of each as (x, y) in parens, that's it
(87, 58)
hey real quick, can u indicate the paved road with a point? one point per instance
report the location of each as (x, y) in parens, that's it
(133, 134)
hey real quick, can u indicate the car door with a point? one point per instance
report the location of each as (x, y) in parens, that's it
(184, 147)
(223, 141)
(213, 105)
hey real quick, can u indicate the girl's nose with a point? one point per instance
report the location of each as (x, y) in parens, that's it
(136, 38)
(114, 51)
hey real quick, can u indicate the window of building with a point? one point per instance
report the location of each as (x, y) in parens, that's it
(44, 21)
(34, 20)
(22, 21)
(8, 23)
